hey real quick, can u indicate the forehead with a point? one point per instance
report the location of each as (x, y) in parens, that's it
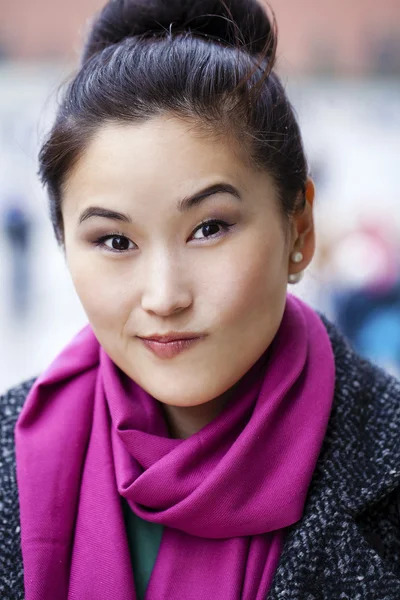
(159, 143)
(164, 157)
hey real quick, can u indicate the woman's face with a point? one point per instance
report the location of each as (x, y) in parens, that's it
(170, 233)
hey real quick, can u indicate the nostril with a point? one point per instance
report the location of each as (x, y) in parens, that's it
(166, 306)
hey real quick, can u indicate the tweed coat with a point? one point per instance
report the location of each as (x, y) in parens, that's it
(347, 544)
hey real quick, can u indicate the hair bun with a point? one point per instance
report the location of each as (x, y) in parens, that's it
(229, 21)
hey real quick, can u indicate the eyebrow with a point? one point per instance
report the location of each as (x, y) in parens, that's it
(183, 205)
(218, 188)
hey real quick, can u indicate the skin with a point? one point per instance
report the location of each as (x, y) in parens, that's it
(226, 283)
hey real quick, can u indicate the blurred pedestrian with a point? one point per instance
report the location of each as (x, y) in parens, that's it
(17, 228)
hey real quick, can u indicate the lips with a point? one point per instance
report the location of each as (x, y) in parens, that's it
(168, 346)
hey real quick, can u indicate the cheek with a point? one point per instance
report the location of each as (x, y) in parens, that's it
(249, 282)
(107, 305)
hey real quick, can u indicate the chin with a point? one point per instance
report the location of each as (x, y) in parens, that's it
(179, 397)
(185, 384)
(178, 391)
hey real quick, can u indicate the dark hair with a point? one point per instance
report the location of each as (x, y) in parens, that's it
(211, 61)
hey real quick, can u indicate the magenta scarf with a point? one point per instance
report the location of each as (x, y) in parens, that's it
(88, 435)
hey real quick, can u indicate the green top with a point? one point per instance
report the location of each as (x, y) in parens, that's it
(144, 541)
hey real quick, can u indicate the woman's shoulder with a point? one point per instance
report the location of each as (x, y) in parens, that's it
(358, 376)
(12, 401)
(361, 451)
(367, 400)
(11, 570)
(352, 514)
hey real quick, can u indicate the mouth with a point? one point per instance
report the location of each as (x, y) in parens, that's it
(170, 345)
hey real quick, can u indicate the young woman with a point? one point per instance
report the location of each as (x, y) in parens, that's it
(207, 435)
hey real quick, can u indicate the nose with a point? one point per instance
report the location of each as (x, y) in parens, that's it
(166, 289)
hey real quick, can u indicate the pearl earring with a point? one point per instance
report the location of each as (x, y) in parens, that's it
(295, 277)
(296, 257)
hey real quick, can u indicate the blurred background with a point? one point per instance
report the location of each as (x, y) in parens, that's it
(340, 62)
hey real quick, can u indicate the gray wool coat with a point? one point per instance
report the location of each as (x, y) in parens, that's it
(347, 544)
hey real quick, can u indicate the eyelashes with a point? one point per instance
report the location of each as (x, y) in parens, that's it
(121, 244)
(209, 226)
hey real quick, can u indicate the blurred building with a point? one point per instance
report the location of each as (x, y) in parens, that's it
(340, 36)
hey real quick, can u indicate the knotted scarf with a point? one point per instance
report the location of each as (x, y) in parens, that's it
(89, 436)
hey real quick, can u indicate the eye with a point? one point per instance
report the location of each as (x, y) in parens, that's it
(210, 229)
(115, 243)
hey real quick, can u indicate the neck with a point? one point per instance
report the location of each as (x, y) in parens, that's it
(184, 421)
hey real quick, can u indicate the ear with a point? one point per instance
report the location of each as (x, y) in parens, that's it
(303, 233)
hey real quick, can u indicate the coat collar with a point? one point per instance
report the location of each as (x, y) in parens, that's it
(359, 464)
